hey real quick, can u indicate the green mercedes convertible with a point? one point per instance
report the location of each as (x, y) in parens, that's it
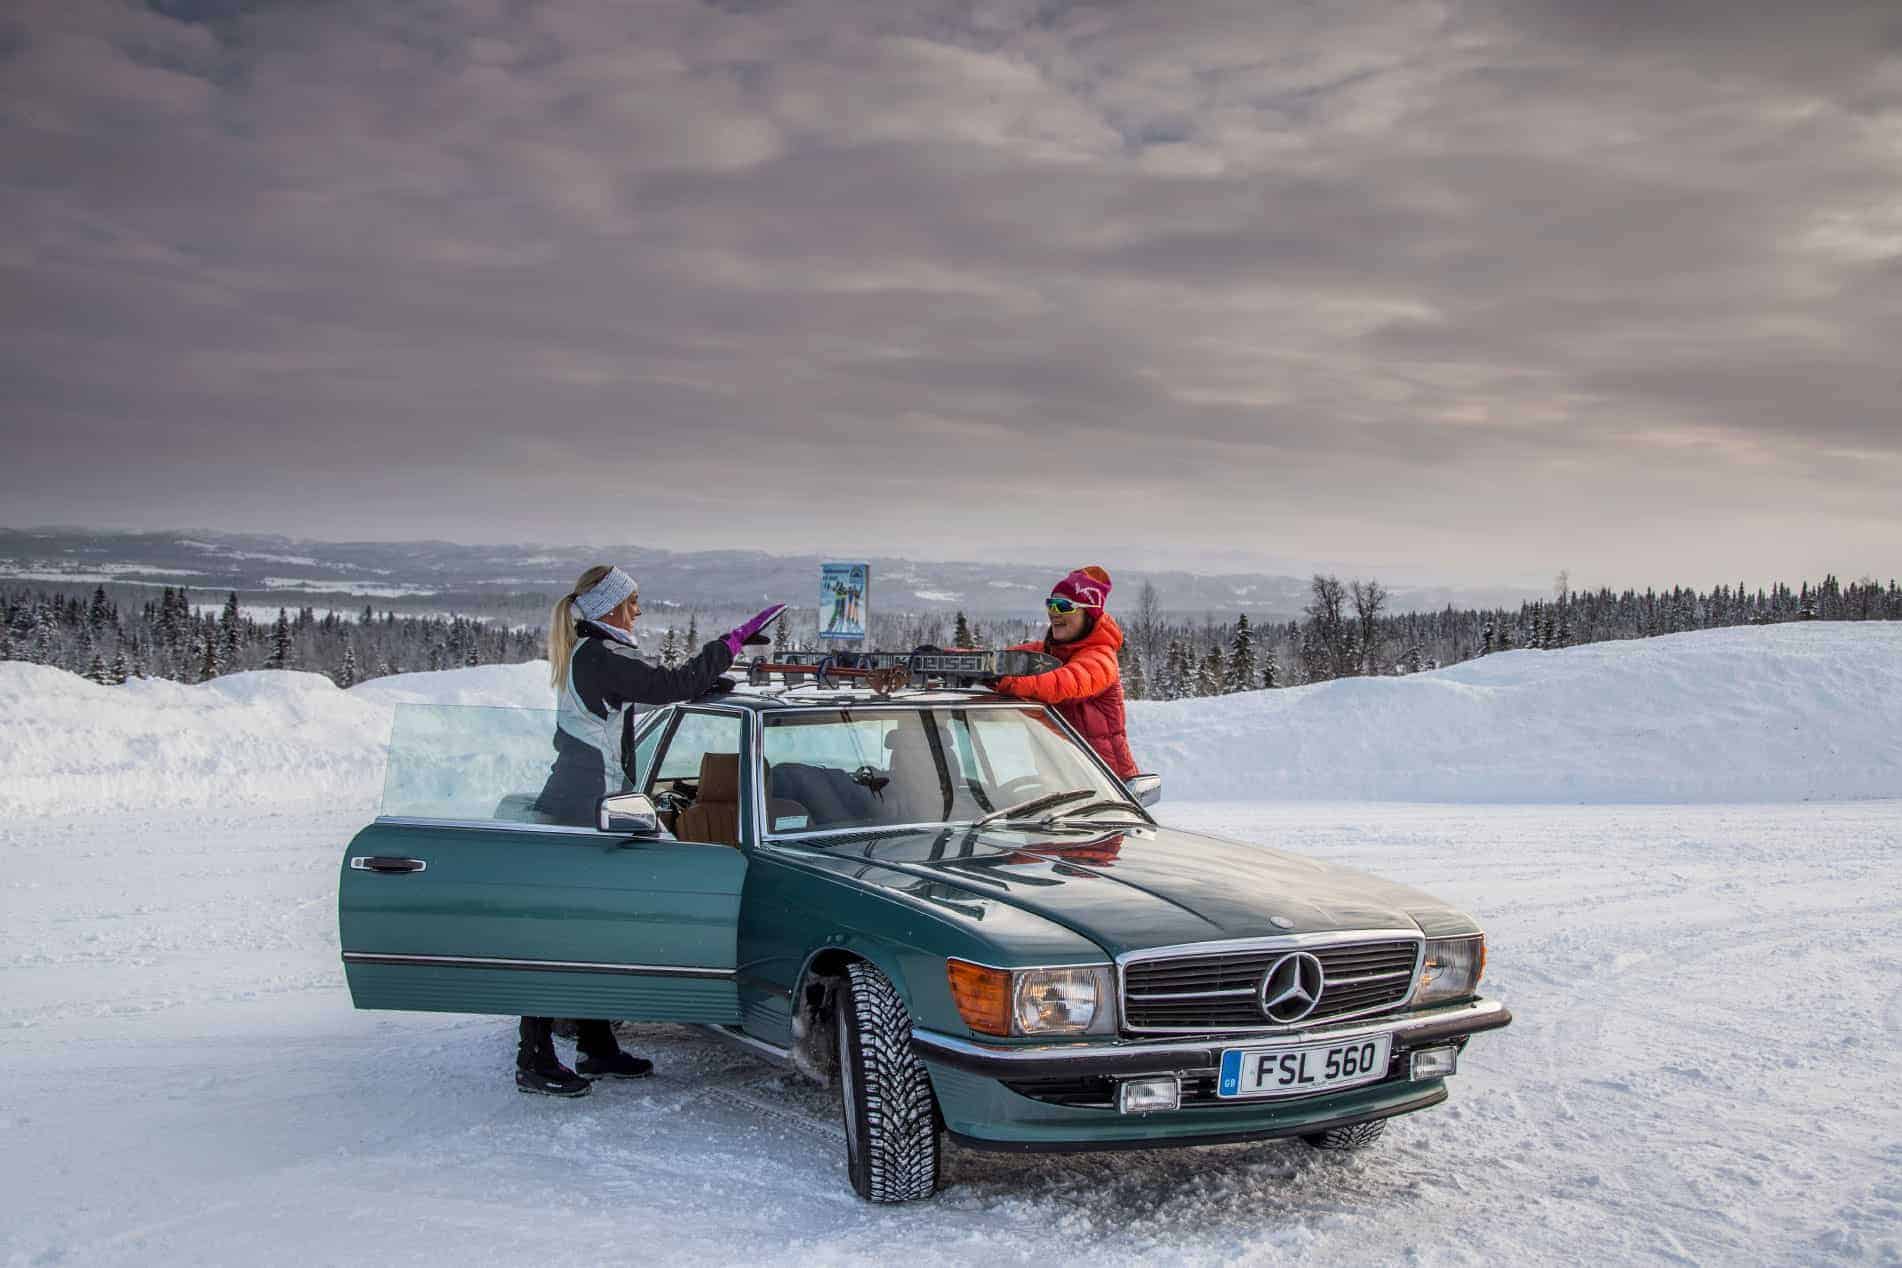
(940, 902)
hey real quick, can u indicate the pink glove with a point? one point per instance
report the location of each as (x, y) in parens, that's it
(735, 638)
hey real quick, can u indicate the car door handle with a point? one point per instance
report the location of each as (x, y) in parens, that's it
(385, 863)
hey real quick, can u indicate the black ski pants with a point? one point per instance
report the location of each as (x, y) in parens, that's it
(594, 1038)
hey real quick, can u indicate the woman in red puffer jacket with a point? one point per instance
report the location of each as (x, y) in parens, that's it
(1087, 689)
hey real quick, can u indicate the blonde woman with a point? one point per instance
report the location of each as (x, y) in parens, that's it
(601, 679)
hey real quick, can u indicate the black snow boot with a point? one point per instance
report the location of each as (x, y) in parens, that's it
(538, 1069)
(601, 1056)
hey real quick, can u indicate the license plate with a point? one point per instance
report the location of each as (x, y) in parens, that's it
(1302, 1070)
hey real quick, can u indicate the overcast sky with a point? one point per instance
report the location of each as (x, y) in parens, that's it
(1467, 292)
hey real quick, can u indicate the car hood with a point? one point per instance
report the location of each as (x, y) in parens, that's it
(1137, 888)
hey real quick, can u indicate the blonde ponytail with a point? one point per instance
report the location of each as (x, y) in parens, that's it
(561, 623)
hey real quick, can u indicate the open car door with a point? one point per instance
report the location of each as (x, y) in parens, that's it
(456, 900)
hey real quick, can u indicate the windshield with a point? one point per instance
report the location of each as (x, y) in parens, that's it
(861, 768)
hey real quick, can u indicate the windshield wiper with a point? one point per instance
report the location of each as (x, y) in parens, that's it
(1107, 803)
(1022, 808)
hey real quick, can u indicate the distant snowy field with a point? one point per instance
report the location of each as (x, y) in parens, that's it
(1704, 1066)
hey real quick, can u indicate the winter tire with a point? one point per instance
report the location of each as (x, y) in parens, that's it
(1352, 1136)
(891, 1123)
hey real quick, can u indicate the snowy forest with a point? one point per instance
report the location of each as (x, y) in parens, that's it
(1345, 630)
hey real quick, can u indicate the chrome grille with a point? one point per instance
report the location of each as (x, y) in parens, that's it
(1221, 990)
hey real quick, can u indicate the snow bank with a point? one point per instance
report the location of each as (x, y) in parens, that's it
(1795, 712)
(67, 744)
(1783, 713)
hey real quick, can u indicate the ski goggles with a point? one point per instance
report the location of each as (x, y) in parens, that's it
(1061, 606)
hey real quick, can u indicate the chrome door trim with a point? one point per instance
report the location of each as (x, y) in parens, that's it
(488, 825)
(562, 966)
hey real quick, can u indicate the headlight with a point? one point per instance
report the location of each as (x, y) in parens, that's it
(1452, 969)
(1054, 1001)
(1071, 1001)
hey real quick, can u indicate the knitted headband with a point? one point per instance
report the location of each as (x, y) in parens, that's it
(605, 595)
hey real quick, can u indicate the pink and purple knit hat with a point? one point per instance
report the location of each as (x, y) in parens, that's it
(1086, 587)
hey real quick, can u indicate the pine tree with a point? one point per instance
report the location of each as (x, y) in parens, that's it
(97, 672)
(474, 656)
(692, 644)
(120, 670)
(208, 662)
(229, 636)
(42, 653)
(1241, 658)
(347, 675)
(99, 614)
(1209, 674)
(167, 632)
(670, 649)
(961, 632)
(280, 642)
(1270, 670)
(782, 633)
(1175, 674)
(1135, 681)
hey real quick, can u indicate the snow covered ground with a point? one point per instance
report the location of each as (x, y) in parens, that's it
(1703, 1068)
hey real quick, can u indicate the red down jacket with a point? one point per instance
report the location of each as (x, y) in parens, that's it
(1087, 689)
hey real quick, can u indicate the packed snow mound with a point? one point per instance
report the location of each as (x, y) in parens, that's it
(67, 744)
(1796, 712)
(1779, 713)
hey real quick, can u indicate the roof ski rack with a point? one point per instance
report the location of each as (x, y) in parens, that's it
(886, 672)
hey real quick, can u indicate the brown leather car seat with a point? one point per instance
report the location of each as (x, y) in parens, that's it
(715, 814)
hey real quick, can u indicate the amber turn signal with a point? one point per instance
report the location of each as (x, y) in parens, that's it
(982, 996)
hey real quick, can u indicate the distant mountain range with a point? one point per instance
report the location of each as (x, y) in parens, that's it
(505, 580)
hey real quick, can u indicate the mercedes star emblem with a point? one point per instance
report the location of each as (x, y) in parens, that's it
(1291, 989)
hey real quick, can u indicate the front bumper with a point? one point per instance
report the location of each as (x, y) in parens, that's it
(1078, 1060)
(1048, 1096)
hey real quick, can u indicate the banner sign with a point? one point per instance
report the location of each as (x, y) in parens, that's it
(844, 600)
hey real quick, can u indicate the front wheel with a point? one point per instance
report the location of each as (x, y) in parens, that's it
(1352, 1136)
(891, 1124)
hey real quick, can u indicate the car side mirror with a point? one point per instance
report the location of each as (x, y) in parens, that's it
(1146, 789)
(628, 814)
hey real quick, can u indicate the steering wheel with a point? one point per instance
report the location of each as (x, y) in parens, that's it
(672, 800)
(1015, 790)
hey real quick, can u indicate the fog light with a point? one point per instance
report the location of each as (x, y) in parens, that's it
(1145, 1096)
(1435, 1063)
